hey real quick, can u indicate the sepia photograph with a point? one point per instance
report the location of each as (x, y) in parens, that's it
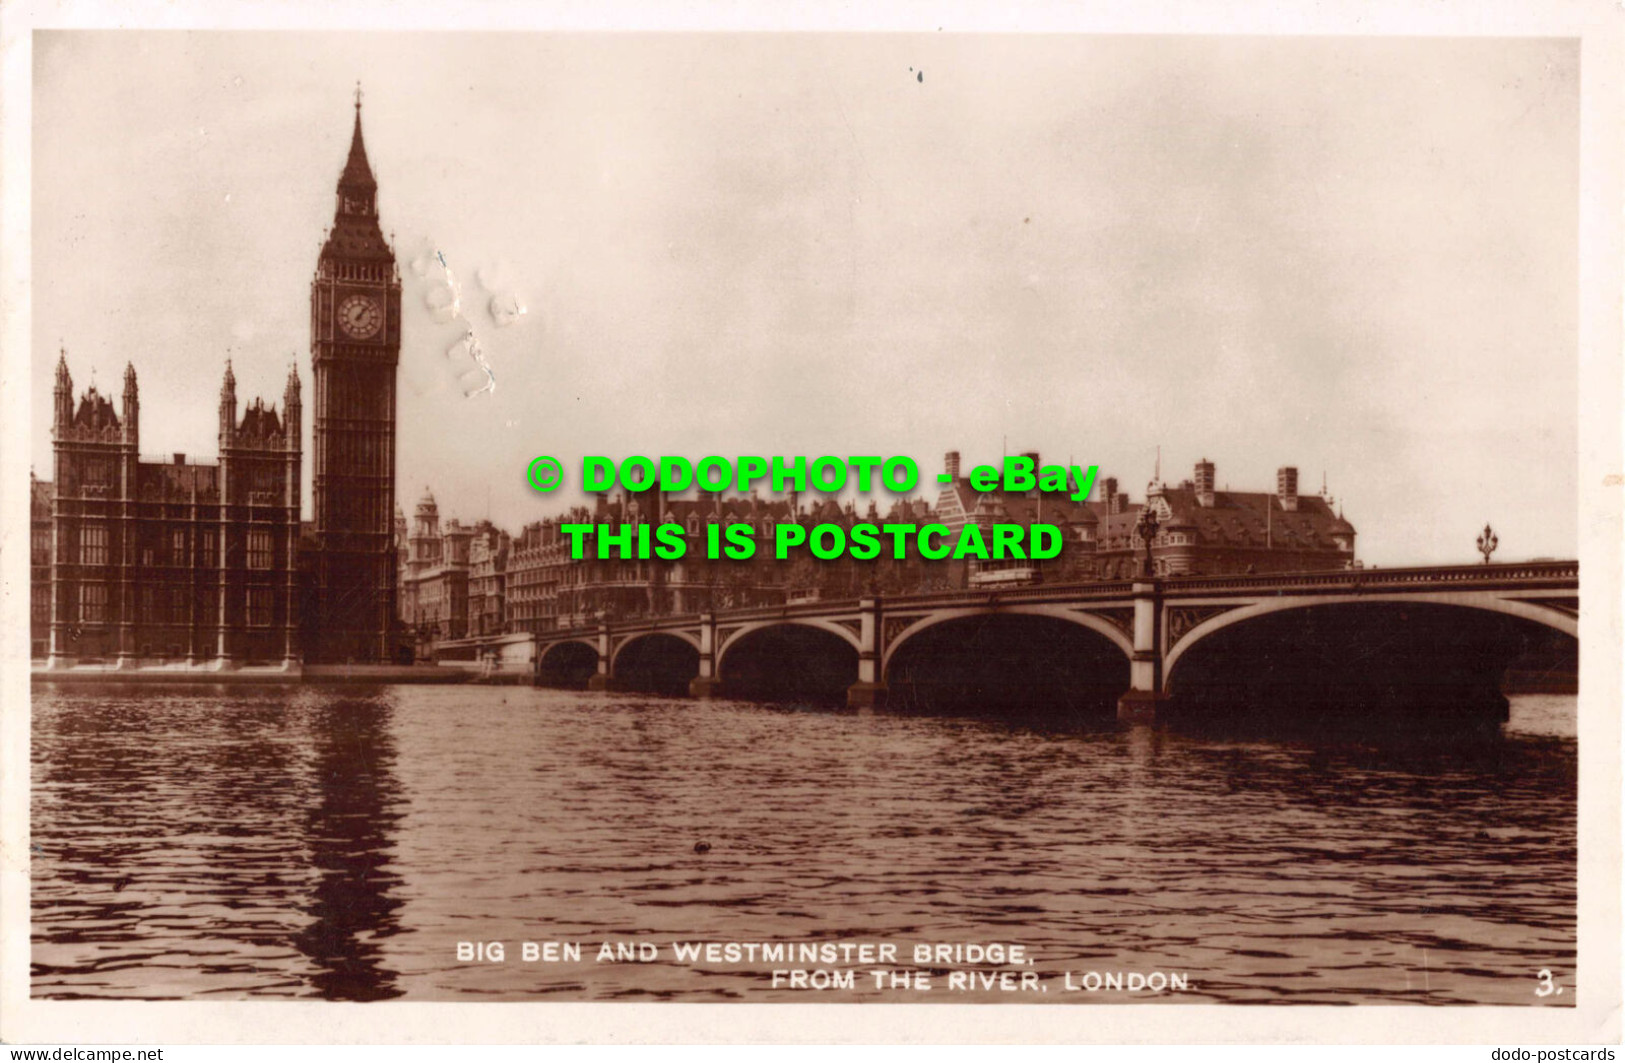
(1083, 520)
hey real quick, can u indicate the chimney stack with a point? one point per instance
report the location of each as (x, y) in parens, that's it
(1114, 504)
(1286, 487)
(1204, 484)
(950, 465)
(1032, 456)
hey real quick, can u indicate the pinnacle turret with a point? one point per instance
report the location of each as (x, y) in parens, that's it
(132, 405)
(292, 410)
(64, 390)
(228, 408)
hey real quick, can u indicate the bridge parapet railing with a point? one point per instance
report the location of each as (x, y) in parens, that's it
(1534, 573)
(730, 616)
(1366, 578)
(824, 607)
(1036, 592)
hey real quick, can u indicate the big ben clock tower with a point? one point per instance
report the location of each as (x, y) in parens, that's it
(355, 344)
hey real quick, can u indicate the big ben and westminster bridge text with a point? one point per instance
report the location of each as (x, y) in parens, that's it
(844, 965)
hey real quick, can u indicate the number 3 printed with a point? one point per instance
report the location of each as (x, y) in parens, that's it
(1547, 987)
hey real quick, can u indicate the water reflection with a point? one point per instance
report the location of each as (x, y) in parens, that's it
(338, 844)
(162, 852)
(349, 831)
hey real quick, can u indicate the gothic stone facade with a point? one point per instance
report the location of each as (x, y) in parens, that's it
(173, 560)
(177, 559)
(39, 566)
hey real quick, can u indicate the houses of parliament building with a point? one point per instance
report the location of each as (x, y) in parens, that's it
(138, 561)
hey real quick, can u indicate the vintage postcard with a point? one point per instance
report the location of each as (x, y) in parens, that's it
(993, 527)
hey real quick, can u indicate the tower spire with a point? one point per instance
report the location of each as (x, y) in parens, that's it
(357, 177)
(355, 348)
(355, 235)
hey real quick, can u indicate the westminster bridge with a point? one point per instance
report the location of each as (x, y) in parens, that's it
(1412, 639)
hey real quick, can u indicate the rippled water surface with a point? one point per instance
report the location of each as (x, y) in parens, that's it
(318, 842)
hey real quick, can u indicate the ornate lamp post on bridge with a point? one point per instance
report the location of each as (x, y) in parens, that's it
(1146, 528)
(1143, 701)
(1487, 543)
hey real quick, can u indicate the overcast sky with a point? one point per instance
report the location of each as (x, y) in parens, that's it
(1350, 255)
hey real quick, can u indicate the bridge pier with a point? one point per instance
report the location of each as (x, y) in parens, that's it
(603, 680)
(869, 692)
(707, 684)
(1145, 702)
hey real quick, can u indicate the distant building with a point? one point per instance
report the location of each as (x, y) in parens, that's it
(487, 580)
(434, 603)
(1201, 530)
(172, 559)
(548, 590)
(536, 564)
(453, 578)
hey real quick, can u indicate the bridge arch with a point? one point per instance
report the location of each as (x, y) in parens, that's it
(1430, 660)
(676, 633)
(655, 662)
(1093, 622)
(549, 647)
(1025, 661)
(795, 660)
(1539, 614)
(830, 626)
(567, 662)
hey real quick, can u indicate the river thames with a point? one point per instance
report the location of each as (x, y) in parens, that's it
(224, 843)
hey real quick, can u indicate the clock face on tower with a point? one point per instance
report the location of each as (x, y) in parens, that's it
(361, 317)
